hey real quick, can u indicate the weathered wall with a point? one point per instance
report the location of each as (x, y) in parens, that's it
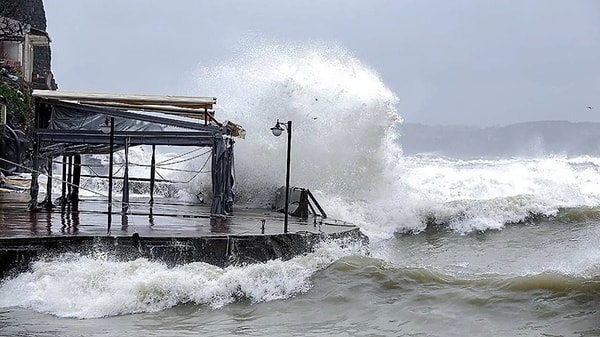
(14, 145)
(31, 12)
(28, 11)
(17, 253)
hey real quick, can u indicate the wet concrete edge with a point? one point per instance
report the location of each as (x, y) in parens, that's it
(16, 254)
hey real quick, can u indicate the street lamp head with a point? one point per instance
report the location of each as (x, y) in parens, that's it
(277, 129)
(105, 128)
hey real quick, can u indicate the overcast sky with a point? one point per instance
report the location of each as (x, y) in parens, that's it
(477, 62)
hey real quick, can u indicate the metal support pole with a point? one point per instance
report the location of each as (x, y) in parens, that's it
(287, 176)
(48, 201)
(76, 179)
(152, 174)
(110, 171)
(35, 187)
(63, 197)
(125, 200)
(70, 178)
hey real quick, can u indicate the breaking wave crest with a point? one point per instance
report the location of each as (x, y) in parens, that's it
(478, 195)
(344, 142)
(391, 277)
(346, 149)
(85, 286)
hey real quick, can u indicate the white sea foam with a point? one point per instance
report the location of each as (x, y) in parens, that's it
(487, 194)
(344, 145)
(347, 151)
(80, 286)
(350, 155)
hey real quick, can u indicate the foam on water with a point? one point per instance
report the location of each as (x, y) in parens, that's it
(346, 148)
(344, 118)
(75, 285)
(487, 194)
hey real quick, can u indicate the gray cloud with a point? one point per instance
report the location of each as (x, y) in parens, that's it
(450, 62)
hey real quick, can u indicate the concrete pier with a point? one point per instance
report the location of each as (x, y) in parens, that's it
(170, 231)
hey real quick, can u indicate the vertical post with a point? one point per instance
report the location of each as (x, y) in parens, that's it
(76, 179)
(152, 174)
(63, 197)
(48, 203)
(110, 170)
(35, 187)
(70, 178)
(125, 200)
(287, 176)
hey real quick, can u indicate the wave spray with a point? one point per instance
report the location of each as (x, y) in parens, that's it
(344, 144)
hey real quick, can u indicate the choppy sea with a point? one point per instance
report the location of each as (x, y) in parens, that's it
(503, 246)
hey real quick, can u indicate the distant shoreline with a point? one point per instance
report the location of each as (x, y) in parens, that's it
(527, 139)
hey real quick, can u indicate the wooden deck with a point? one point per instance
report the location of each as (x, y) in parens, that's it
(167, 218)
(170, 231)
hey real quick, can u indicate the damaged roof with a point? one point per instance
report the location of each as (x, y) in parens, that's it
(70, 122)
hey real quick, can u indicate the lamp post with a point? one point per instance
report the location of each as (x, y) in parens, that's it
(106, 128)
(277, 130)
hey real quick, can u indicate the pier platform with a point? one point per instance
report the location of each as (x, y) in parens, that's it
(171, 230)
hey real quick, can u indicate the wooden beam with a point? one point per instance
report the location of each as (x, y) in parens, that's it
(178, 101)
(105, 110)
(171, 110)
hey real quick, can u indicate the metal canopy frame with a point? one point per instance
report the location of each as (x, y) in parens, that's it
(127, 114)
(67, 140)
(193, 134)
(140, 100)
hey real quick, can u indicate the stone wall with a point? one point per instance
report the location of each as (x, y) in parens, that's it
(16, 253)
(31, 12)
(14, 144)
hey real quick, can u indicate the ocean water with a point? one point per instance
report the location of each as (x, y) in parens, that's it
(500, 246)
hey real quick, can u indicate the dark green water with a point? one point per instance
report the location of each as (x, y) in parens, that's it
(526, 280)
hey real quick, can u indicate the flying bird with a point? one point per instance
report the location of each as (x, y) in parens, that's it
(589, 107)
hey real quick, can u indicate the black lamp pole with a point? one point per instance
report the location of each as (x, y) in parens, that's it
(277, 131)
(287, 175)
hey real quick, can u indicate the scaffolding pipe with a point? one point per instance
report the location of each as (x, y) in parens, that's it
(152, 174)
(48, 202)
(70, 177)
(74, 197)
(125, 199)
(110, 171)
(63, 196)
